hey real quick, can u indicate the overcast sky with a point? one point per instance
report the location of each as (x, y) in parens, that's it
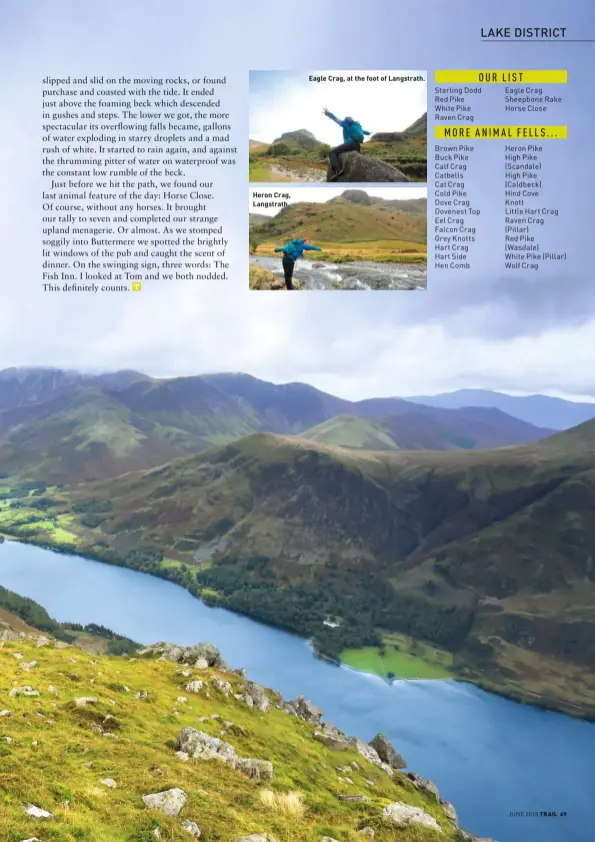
(325, 194)
(284, 101)
(485, 328)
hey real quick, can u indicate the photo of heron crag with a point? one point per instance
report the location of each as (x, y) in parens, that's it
(340, 239)
(357, 132)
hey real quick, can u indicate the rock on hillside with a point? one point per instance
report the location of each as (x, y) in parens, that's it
(363, 168)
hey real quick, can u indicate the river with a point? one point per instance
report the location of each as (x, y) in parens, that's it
(363, 275)
(489, 756)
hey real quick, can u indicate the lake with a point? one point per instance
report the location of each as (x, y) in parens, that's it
(489, 756)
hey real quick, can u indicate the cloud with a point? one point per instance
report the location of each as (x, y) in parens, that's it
(282, 102)
(481, 328)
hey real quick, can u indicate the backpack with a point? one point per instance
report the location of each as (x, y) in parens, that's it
(356, 132)
(289, 248)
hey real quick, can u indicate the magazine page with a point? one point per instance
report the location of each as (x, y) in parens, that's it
(310, 567)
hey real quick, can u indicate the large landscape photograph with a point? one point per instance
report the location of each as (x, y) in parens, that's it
(404, 537)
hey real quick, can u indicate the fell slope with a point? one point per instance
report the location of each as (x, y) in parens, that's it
(87, 738)
(348, 219)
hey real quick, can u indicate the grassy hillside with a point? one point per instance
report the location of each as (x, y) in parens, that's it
(349, 431)
(99, 733)
(352, 224)
(486, 554)
(348, 219)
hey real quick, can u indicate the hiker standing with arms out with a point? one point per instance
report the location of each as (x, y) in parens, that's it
(353, 137)
(292, 251)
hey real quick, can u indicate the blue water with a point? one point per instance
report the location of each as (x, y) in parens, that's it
(487, 755)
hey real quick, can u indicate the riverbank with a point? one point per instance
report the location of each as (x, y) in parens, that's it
(347, 271)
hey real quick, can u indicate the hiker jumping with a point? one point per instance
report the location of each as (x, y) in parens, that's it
(292, 251)
(353, 137)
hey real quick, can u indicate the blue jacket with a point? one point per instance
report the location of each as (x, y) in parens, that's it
(345, 126)
(299, 249)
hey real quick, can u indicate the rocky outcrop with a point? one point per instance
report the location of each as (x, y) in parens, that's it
(424, 783)
(403, 815)
(331, 737)
(370, 753)
(9, 634)
(254, 696)
(199, 745)
(363, 168)
(201, 655)
(386, 752)
(304, 709)
(222, 685)
(169, 802)
(23, 691)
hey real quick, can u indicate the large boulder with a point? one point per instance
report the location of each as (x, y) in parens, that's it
(364, 168)
(169, 802)
(255, 696)
(305, 710)
(332, 737)
(204, 747)
(404, 814)
(424, 783)
(386, 752)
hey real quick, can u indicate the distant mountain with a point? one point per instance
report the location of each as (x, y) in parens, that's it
(258, 219)
(66, 427)
(285, 408)
(301, 138)
(419, 128)
(20, 386)
(455, 429)
(541, 410)
(335, 220)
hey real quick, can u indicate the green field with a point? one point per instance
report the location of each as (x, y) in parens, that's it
(413, 659)
(378, 251)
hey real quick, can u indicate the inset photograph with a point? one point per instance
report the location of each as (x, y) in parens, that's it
(332, 238)
(338, 126)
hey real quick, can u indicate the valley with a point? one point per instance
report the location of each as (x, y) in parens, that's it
(463, 536)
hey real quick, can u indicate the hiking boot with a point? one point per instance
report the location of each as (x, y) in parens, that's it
(336, 175)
